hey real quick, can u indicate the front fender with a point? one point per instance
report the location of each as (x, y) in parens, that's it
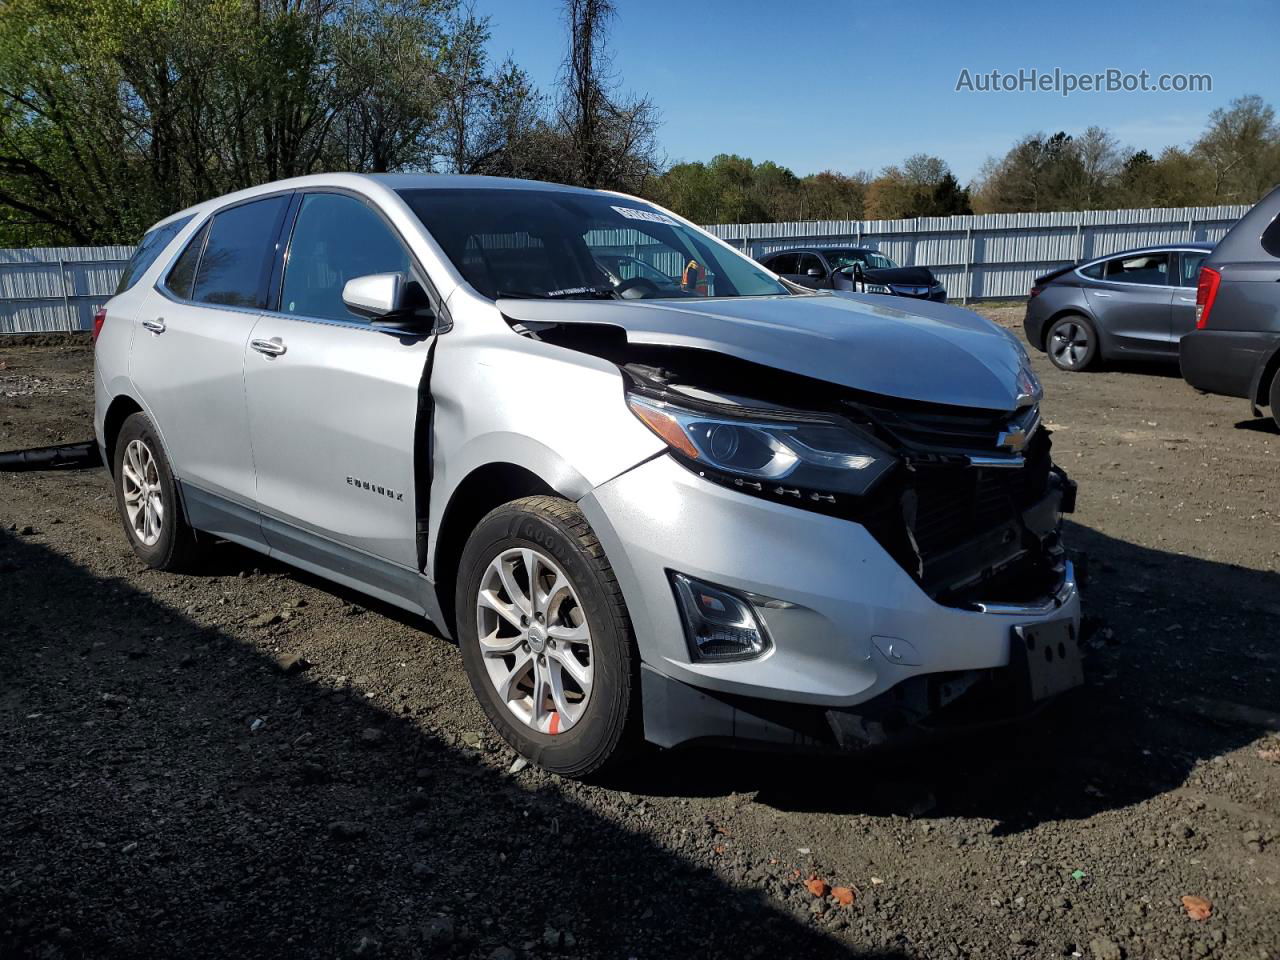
(501, 398)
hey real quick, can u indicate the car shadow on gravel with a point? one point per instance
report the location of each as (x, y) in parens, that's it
(1175, 645)
(1259, 425)
(169, 790)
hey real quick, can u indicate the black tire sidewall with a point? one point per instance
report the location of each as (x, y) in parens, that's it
(160, 553)
(1080, 320)
(1275, 398)
(588, 744)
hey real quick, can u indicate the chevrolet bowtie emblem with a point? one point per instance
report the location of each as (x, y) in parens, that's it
(1013, 440)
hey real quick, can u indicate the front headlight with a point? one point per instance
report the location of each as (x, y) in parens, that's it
(787, 455)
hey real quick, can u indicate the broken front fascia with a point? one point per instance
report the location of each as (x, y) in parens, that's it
(968, 533)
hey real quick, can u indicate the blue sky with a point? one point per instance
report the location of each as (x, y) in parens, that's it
(858, 85)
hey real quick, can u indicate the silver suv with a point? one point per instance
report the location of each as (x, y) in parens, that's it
(651, 489)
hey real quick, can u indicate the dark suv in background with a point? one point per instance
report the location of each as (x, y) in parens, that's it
(1235, 348)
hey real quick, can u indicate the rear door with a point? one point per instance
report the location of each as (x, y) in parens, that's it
(334, 403)
(1132, 303)
(187, 361)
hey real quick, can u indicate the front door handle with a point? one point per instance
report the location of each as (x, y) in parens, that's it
(270, 348)
(155, 326)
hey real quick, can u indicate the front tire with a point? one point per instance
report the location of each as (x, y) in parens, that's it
(1072, 343)
(147, 499)
(545, 636)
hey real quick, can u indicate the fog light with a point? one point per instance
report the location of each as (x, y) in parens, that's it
(719, 624)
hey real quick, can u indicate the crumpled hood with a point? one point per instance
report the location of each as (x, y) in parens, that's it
(931, 352)
(910, 276)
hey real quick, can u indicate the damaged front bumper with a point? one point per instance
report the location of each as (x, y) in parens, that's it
(861, 654)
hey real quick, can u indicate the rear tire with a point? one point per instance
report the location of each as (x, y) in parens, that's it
(556, 671)
(1072, 343)
(147, 499)
(1275, 398)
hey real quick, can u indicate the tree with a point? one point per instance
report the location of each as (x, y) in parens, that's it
(1241, 148)
(923, 186)
(611, 137)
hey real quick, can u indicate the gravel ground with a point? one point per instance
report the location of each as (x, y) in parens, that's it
(252, 763)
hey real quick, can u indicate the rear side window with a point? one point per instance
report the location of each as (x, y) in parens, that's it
(182, 276)
(1189, 274)
(236, 263)
(152, 246)
(1093, 271)
(783, 263)
(336, 239)
(1271, 238)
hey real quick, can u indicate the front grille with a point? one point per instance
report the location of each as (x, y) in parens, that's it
(948, 430)
(954, 504)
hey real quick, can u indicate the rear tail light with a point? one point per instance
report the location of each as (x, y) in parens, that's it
(99, 318)
(1206, 293)
(1036, 291)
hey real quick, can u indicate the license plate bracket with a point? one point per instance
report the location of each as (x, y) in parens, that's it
(1048, 655)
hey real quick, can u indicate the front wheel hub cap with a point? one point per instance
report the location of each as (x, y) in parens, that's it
(535, 640)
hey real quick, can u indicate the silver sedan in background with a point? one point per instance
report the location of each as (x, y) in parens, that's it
(1137, 303)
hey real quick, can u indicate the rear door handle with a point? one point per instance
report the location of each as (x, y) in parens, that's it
(270, 348)
(1099, 293)
(155, 326)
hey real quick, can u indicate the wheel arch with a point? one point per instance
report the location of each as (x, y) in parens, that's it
(120, 409)
(1268, 370)
(480, 491)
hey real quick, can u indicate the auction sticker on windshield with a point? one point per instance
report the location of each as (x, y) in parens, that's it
(631, 213)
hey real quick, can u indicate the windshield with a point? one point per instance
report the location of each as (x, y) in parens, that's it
(869, 259)
(555, 243)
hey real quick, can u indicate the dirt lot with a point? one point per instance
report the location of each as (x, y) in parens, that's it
(171, 786)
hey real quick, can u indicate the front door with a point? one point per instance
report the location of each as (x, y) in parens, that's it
(1183, 315)
(334, 404)
(188, 361)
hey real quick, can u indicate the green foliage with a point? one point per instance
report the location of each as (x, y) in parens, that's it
(116, 113)
(1235, 160)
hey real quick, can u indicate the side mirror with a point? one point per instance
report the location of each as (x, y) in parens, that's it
(389, 300)
(815, 272)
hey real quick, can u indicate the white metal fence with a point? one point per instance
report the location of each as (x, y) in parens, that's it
(995, 256)
(45, 289)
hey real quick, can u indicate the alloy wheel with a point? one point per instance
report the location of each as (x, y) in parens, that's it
(535, 640)
(143, 495)
(1069, 343)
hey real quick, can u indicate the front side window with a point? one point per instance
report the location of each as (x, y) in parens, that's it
(149, 249)
(1148, 268)
(551, 243)
(336, 238)
(809, 261)
(236, 263)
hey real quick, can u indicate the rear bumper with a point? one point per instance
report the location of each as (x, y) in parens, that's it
(1226, 362)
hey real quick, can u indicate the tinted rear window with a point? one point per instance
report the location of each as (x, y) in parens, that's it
(237, 259)
(183, 274)
(152, 245)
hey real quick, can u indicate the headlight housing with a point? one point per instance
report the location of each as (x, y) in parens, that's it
(795, 455)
